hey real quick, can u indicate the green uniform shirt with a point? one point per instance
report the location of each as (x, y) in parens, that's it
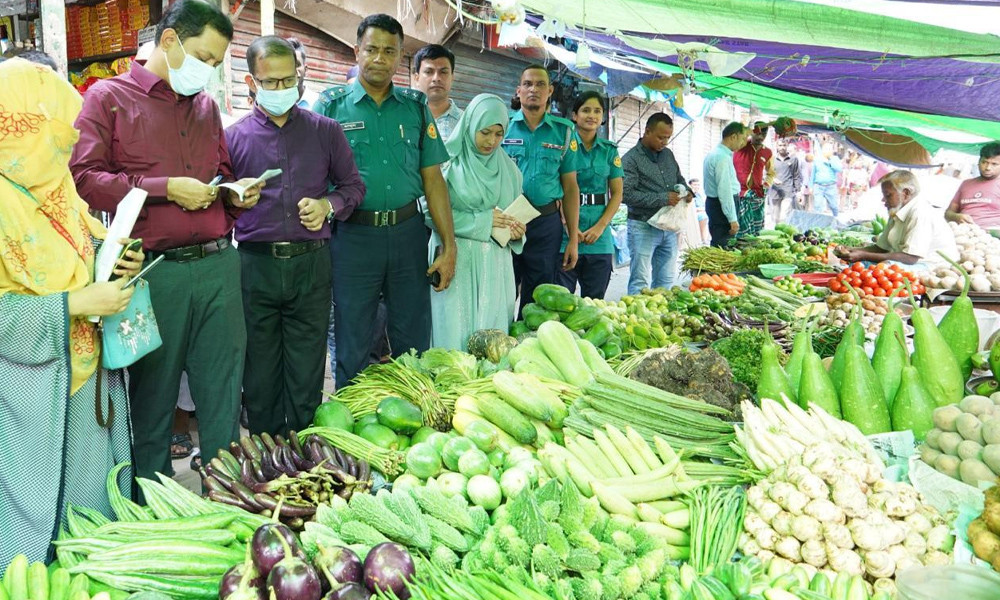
(598, 166)
(543, 155)
(391, 142)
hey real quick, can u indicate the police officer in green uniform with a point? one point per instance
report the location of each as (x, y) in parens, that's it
(600, 179)
(546, 149)
(382, 247)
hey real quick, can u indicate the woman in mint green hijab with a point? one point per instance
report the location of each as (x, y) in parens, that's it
(482, 181)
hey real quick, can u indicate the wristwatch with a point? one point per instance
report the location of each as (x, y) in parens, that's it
(329, 215)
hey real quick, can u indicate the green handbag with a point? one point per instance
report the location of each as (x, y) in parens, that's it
(131, 334)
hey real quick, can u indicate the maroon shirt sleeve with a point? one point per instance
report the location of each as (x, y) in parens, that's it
(96, 178)
(350, 189)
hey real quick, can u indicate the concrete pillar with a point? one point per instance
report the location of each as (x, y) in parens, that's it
(54, 31)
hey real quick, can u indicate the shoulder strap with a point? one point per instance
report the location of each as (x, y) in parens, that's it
(569, 137)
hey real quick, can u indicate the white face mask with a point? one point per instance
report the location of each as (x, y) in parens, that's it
(277, 102)
(192, 76)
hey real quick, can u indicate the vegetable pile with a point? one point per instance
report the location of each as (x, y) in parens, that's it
(24, 579)
(260, 472)
(728, 284)
(965, 441)
(980, 257)
(984, 532)
(879, 280)
(797, 287)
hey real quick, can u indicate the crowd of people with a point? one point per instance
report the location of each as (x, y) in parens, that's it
(394, 215)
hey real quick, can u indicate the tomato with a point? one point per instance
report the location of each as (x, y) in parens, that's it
(883, 281)
(869, 281)
(895, 268)
(919, 289)
(857, 267)
(895, 277)
(842, 275)
(880, 292)
(868, 290)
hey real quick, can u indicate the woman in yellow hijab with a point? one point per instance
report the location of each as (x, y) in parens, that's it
(55, 452)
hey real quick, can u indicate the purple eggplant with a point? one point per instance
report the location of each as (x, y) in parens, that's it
(268, 545)
(294, 579)
(389, 566)
(349, 591)
(340, 565)
(239, 584)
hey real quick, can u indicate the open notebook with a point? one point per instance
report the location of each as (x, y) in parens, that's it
(520, 209)
(240, 190)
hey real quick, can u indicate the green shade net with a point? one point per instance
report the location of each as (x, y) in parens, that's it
(820, 110)
(785, 21)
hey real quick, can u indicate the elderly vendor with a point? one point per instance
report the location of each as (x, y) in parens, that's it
(916, 231)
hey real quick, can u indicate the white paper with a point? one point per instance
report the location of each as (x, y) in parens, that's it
(121, 227)
(240, 190)
(522, 210)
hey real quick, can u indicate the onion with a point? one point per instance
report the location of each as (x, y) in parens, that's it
(389, 566)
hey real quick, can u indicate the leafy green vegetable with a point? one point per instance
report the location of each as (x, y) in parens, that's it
(742, 351)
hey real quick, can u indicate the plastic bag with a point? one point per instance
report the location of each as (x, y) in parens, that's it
(672, 218)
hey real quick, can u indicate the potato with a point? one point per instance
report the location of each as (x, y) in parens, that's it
(976, 527)
(945, 416)
(972, 471)
(986, 545)
(933, 438)
(995, 563)
(976, 405)
(970, 449)
(991, 516)
(949, 442)
(928, 454)
(991, 431)
(991, 456)
(970, 427)
(948, 465)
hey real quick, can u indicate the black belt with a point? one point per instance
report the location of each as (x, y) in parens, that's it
(593, 199)
(547, 209)
(282, 249)
(189, 253)
(383, 218)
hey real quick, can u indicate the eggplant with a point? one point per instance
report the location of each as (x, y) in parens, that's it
(242, 582)
(389, 566)
(294, 579)
(219, 474)
(340, 565)
(293, 441)
(269, 544)
(349, 591)
(798, 237)
(250, 448)
(268, 441)
(288, 509)
(224, 497)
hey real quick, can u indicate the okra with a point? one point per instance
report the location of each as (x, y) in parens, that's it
(16, 577)
(165, 526)
(59, 584)
(38, 581)
(206, 588)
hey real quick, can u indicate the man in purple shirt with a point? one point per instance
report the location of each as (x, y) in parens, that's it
(282, 240)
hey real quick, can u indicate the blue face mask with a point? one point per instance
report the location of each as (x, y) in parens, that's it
(192, 76)
(277, 102)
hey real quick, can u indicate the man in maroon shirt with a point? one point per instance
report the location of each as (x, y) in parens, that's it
(153, 128)
(753, 170)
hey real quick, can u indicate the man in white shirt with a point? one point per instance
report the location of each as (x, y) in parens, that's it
(916, 231)
(722, 186)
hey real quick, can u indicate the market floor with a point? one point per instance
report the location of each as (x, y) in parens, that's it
(190, 479)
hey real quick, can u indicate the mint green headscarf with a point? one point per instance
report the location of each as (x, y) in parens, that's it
(478, 182)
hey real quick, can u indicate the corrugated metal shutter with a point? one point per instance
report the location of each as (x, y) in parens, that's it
(327, 59)
(482, 71)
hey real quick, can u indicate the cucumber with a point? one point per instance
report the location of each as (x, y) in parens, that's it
(509, 420)
(561, 348)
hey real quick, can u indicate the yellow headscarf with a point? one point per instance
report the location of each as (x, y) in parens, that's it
(45, 230)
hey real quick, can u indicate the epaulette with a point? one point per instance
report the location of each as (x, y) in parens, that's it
(335, 92)
(411, 94)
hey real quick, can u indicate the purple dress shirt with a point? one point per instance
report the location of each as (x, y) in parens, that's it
(315, 161)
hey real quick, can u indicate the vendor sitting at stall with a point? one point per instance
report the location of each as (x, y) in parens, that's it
(915, 233)
(978, 200)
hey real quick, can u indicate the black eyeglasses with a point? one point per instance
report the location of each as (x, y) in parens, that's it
(272, 84)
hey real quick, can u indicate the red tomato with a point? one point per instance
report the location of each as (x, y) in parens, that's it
(857, 267)
(895, 268)
(868, 290)
(883, 281)
(919, 289)
(880, 292)
(895, 277)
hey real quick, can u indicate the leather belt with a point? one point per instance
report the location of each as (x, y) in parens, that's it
(547, 209)
(189, 253)
(282, 249)
(593, 199)
(383, 218)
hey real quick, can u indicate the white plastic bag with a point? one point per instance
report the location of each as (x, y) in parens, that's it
(672, 218)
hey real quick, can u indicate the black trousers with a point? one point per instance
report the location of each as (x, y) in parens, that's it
(718, 223)
(286, 303)
(537, 264)
(592, 272)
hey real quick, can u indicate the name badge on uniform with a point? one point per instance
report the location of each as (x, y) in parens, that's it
(512, 142)
(353, 125)
(553, 146)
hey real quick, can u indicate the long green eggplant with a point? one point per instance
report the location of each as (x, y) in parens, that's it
(773, 381)
(889, 356)
(816, 386)
(959, 326)
(861, 398)
(913, 406)
(934, 360)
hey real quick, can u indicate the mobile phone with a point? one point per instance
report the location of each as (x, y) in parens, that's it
(435, 277)
(135, 244)
(144, 270)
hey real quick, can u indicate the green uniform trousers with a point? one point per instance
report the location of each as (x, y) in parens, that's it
(286, 303)
(199, 310)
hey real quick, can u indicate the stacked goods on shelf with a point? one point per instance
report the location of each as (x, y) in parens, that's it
(965, 441)
(104, 28)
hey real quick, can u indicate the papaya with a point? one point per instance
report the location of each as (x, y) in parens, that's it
(334, 414)
(399, 415)
(554, 297)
